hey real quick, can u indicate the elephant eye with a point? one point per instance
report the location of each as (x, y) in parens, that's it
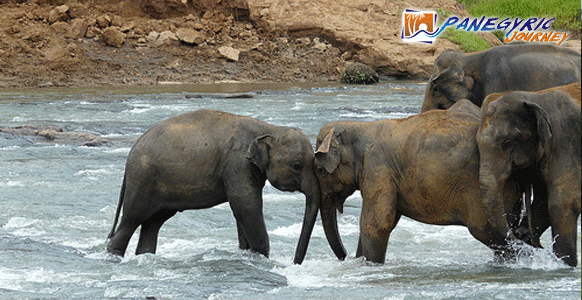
(320, 170)
(506, 143)
(297, 167)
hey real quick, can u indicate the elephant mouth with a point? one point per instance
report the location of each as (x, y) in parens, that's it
(337, 201)
(290, 186)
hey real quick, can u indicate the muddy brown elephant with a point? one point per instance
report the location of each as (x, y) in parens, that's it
(204, 158)
(425, 167)
(535, 135)
(525, 67)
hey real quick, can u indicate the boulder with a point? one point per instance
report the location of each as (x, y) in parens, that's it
(113, 37)
(152, 37)
(59, 13)
(358, 73)
(103, 21)
(166, 38)
(229, 53)
(78, 29)
(190, 36)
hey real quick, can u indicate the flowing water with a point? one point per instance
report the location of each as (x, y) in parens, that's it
(58, 201)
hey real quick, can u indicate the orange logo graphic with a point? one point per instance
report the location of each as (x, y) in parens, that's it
(419, 26)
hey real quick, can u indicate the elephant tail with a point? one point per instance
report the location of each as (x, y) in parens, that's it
(118, 212)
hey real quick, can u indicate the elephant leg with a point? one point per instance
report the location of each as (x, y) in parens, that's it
(564, 233)
(244, 194)
(248, 213)
(148, 237)
(359, 249)
(254, 229)
(243, 243)
(564, 222)
(120, 239)
(377, 220)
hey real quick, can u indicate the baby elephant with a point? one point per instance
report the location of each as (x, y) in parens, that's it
(425, 167)
(204, 158)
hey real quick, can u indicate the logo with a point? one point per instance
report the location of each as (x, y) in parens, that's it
(420, 26)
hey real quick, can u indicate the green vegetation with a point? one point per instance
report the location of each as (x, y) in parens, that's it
(468, 41)
(566, 12)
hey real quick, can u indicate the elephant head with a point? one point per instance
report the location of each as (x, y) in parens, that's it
(448, 83)
(335, 168)
(286, 158)
(513, 135)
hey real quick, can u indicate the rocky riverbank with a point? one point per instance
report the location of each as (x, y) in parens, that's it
(45, 43)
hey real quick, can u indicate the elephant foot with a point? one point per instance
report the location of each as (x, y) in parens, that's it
(115, 252)
(515, 250)
(525, 235)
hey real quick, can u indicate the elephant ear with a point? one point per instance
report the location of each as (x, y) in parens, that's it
(544, 127)
(454, 73)
(258, 152)
(327, 152)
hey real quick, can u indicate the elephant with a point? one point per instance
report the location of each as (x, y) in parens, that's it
(535, 135)
(525, 67)
(204, 158)
(467, 106)
(572, 89)
(425, 167)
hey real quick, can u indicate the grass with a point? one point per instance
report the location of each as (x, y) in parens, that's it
(566, 12)
(468, 41)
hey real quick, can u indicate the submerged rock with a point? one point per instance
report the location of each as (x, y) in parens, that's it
(57, 135)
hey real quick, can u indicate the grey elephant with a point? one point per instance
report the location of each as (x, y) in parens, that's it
(525, 67)
(425, 167)
(535, 136)
(204, 158)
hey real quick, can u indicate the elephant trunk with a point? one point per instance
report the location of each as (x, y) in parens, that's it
(428, 103)
(329, 220)
(311, 210)
(491, 184)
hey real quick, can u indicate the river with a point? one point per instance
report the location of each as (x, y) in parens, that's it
(58, 201)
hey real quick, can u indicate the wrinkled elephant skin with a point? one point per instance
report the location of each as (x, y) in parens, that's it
(525, 67)
(425, 167)
(536, 134)
(204, 158)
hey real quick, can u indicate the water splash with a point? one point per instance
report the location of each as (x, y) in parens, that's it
(525, 256)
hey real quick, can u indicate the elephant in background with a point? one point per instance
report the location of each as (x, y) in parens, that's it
(204, 158)
(572, 89)
(526, 67)
(535, 135)
(425, 167)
